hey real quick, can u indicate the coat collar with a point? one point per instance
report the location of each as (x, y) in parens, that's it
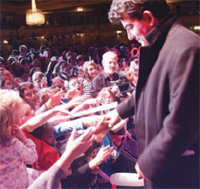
(163, 27)
(149, 54)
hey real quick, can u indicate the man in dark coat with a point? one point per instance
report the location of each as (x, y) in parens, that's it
(166, 103)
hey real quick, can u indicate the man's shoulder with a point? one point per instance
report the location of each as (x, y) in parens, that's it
(100, 76)
(183, 36)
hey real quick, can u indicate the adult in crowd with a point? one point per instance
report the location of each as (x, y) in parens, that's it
(166, 102)
(109, 77)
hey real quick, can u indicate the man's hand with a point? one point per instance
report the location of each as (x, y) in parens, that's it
(107, 122)
(113, 116)
(141, 175)
(102, 126)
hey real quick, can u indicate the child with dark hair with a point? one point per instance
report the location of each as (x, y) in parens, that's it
(45, 133)
(5, 83)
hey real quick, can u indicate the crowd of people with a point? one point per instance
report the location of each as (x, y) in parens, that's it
(43, 96)
(66, 114)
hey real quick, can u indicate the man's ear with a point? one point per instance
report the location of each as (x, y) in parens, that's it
(102, 62)
(151, 18)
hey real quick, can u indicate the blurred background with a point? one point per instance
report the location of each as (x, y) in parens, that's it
(73, 21)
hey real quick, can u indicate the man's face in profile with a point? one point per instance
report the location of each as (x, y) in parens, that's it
(137, 29)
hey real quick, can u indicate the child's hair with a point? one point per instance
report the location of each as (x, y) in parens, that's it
(40, 130)
(37, 75)
(23, 86)
(102, 93)
(85, 67)
(44, 94)
(11, 99)
(6, 119)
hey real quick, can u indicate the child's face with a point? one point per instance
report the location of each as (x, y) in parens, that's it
(80, 62)
(81, 73)
(26, 68)
(8, 84)
(129, 76)
(28, 113)
(107, 98)
(30, 96)
(74, 83)
(72, 61)
(17, 116)
(63, 67)
(48, 136)
(39, 82)
(92, 71)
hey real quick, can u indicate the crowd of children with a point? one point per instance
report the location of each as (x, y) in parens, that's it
(50, 119)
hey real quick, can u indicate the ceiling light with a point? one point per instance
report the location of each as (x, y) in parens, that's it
(119, 31)
(197, 27)
(34, 16)
(79, 9)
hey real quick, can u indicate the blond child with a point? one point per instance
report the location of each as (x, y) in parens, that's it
(15, 151)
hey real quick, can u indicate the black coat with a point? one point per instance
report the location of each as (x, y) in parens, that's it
(166, 106)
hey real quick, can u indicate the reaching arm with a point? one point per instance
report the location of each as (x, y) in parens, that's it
(38, 120)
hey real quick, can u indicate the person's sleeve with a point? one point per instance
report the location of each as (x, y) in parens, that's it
(80, 174)
(49, 179)
(180, 129)
(26, 150)
(94, 145)
(41, 110)
(97, 85)
(47, 155)
(67, 127)
(127, 108)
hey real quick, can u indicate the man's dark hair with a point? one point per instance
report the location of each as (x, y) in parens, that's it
(135, 9)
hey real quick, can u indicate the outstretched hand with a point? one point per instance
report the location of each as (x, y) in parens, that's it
(103, 154)
(107, 122)
(102, 126)
(78, 146)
